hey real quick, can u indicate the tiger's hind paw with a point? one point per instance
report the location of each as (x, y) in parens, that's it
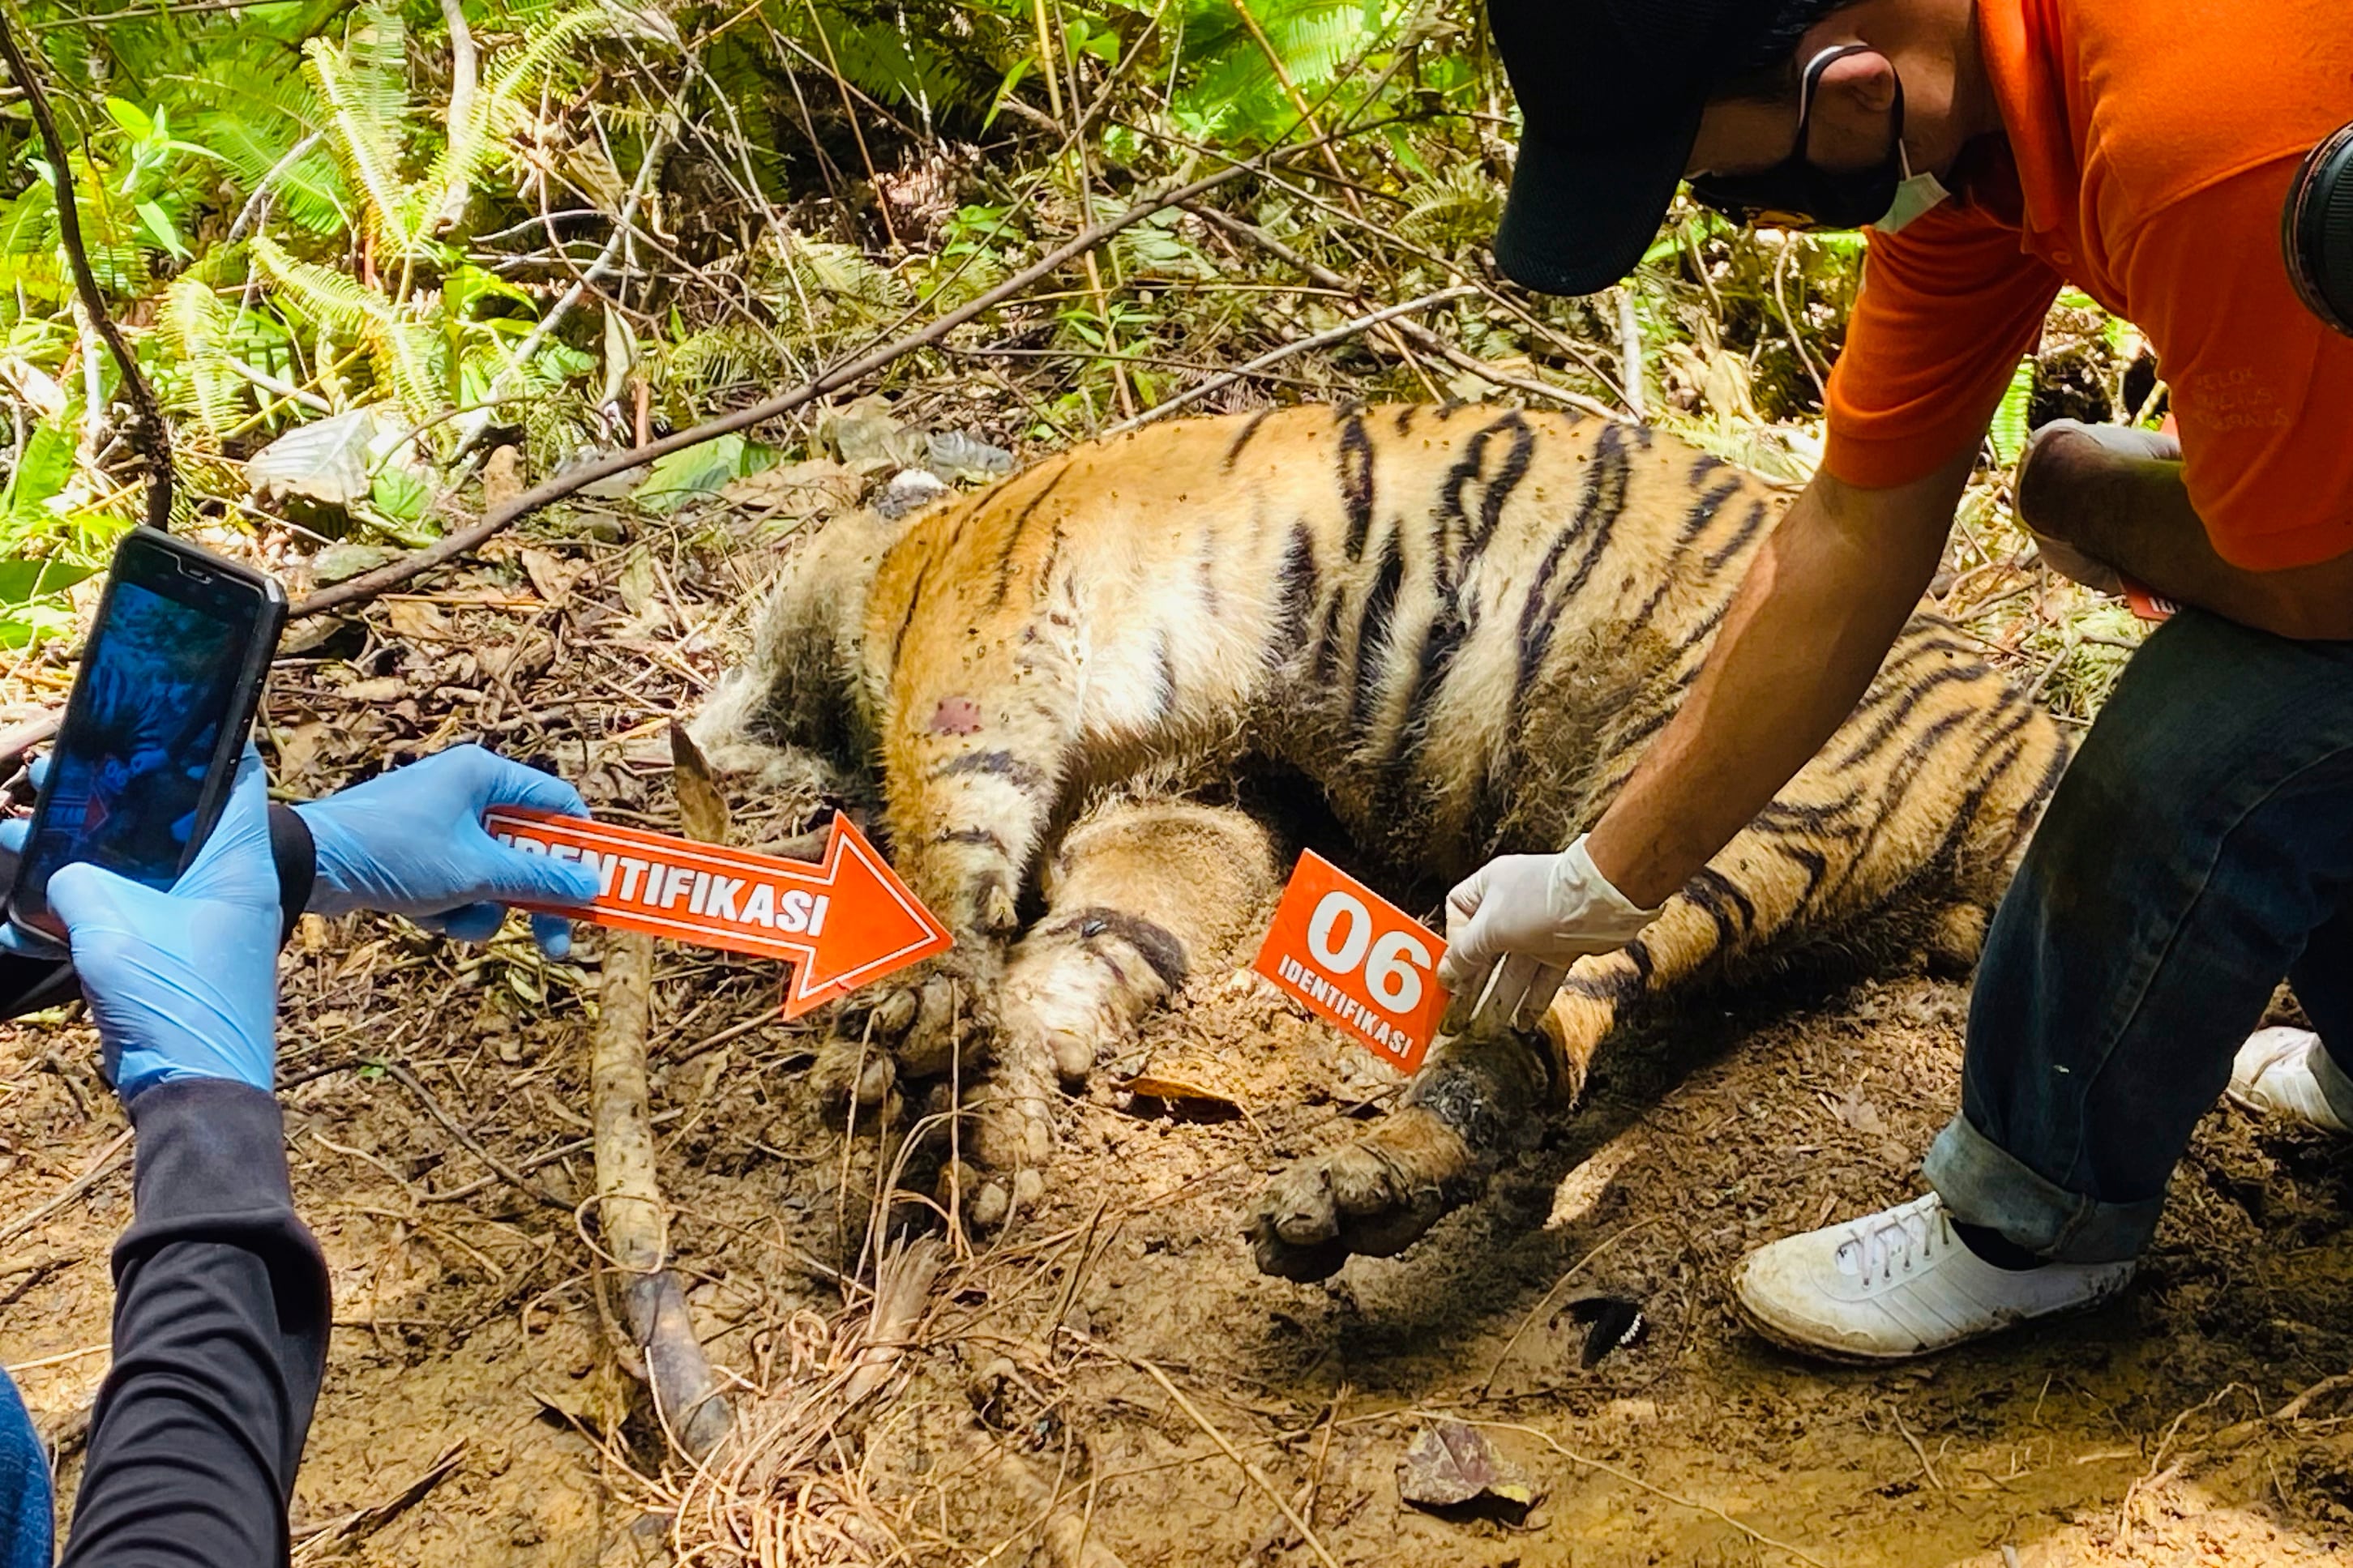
(1376, 1196)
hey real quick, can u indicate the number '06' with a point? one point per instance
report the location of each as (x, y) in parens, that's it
(1340, 938)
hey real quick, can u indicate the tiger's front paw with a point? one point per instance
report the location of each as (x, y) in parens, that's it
(925, 1016)
(1376, 1196)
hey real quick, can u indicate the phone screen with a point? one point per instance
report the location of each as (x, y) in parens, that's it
(163, 676)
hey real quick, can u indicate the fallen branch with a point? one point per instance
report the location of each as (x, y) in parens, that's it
(150, 437)
(630, 1214)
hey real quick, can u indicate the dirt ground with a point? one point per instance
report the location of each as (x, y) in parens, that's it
(1107, 1379)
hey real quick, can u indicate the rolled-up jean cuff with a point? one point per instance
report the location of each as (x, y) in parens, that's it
(1984, 1185)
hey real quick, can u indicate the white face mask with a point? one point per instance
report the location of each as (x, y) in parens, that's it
(1914, 196)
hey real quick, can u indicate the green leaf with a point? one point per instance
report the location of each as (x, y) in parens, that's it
(131, 117)
(2008, 430)
(23, 581)
(400, 494)
(159, 225)
(696, 471)
(43, 471)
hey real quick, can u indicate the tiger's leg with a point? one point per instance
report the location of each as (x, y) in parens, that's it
(976, 752)
(1141, 894)
(1480, 1097)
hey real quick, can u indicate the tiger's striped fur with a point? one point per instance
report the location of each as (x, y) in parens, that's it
(1462, 624)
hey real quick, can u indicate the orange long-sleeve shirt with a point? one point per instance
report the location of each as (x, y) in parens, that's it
(2150, 144)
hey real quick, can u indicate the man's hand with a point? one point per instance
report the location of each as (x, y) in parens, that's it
(185, 984)
(411, 842)
(1514, 926)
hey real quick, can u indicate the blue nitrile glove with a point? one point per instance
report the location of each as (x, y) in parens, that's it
(411, 842)
(184, 984)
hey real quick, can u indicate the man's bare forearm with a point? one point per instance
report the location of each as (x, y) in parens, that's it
(1811, 626)
(2086, 489)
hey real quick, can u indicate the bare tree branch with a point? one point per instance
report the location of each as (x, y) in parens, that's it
(150, 437)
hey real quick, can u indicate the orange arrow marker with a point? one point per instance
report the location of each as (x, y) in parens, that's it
(841, 922)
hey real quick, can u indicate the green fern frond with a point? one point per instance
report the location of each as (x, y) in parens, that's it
(195, 325)
(363, 91)
(1463, 207)
(546, 45)
(334, 299)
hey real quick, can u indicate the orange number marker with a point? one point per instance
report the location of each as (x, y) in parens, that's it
(841, 922)
(1356, 960)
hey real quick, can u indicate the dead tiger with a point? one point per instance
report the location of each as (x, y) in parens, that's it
(1462, 624)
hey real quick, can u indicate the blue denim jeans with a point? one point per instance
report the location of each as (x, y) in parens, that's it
(25, 1529)
(2198, 849)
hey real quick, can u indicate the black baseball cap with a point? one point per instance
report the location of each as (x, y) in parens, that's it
(1611, 93)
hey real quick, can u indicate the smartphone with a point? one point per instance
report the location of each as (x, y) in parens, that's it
(168, 683)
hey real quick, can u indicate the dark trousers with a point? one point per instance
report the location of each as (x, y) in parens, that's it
(2200, 849)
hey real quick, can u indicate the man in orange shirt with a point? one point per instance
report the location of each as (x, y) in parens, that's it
(2201, 846)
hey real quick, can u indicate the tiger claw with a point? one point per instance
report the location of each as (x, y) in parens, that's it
(848, 1073)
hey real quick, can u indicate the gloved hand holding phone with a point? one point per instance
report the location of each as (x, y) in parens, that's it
(183, 983)
(411, 842)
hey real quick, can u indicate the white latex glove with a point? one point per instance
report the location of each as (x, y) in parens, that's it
(1514, 926)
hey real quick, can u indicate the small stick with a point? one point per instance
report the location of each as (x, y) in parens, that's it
(1348, 329)
(72, 1190)
(1258, 1477)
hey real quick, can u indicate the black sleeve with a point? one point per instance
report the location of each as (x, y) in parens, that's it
(220, 1338)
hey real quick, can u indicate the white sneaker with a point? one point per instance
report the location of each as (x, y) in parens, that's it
(1900, 1283)
(2277, 1073)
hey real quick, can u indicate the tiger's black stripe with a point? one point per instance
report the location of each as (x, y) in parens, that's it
(1621, 984)
(1373, 632)
(914, 602)
(1328, 641)
(1025, 776)
(1160, 948)
(1294, 592)
(1606, 488)
(1013, 538)
(1357, 484)
(1910, 696)
(1234, 452)
(1726, 905)
(1704, 510)
(1757, 512)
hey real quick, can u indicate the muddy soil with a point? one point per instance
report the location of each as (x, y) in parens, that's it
(1107, 1379)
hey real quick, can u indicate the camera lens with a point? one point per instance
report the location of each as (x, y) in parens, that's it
(2318, 231)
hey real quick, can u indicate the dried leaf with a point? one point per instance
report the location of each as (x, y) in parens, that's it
(637, 582)
(337, 562)
(550, 575)
(1451, 1465)
(1160, 1086)
(793, 492)
(701, 807)
(415, 622)
(501, 477)
(326, 461)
